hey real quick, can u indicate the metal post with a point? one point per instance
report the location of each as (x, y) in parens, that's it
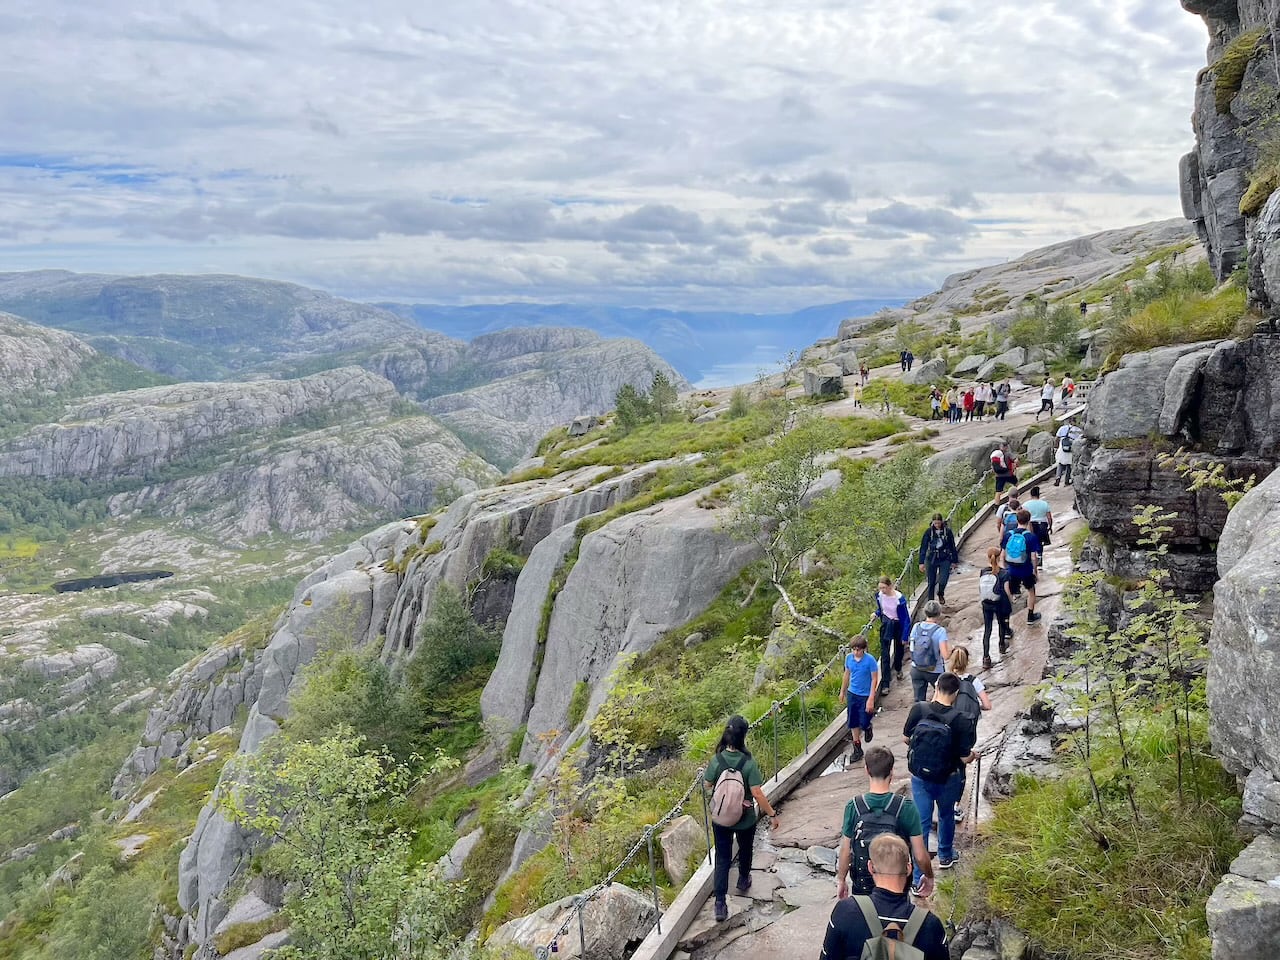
(582, 933)
(653, 881)
(773, 710)
(804, 718)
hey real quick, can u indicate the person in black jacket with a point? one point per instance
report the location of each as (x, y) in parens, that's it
(996, 605)
(937, 554)
(849, 930)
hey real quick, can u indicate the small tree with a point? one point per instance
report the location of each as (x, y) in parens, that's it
(633, 407)
(663, 397)
(739, 404)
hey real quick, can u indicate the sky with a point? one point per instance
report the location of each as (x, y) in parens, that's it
(759, 155)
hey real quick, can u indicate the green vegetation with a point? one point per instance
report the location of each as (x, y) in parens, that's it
(578, 702)
(1229, 71)
(1122, 285)
(1053, 330)
(99, 374)
(502, 563)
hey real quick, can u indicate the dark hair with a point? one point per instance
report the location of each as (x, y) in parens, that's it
(1035, 491)
(938, 516)
(879, 763)
(735, 735)
(948, 684)
(858, 643)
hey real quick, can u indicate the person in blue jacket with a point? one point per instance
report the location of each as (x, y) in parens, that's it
(895, 627)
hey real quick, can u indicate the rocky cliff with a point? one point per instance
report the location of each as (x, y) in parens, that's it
(1230, 177)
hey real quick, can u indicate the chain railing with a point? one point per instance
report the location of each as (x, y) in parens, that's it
(646, 840)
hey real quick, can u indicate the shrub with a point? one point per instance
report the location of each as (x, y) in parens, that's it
(1229, 71)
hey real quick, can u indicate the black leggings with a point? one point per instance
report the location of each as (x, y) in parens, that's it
(724, 855)
(891, 648)
(994, 610)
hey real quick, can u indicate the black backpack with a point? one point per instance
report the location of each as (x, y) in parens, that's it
(967, 703)
(871, 823)
(930, 755)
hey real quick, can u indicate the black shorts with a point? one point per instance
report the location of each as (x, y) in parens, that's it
(1019, 580)
(1041, 530)
(1004, 480)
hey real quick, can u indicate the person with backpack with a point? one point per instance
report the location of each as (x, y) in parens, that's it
(953, 405)
(936, 555)
(1046, 398)
(971, 702)
(858, 691)
(1007, 515)
(1021, 553)
(902, 358)
(864, 373)
(940, 741)
(1003, 393)
(1041, 518)
(929, 650)
(895, 627)
(935, 403)
(911, 359)
(993, 584)
(1005, 466)
(871, 814)
(735, 781)
(885, 925)
(1064, 441)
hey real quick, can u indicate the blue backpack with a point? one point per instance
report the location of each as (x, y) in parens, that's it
(1015, 548)
(1010, 520)
(924, 654)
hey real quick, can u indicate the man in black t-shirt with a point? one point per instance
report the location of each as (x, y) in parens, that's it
(848, 930)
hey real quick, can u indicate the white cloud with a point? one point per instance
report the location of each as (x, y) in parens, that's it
(729, 153)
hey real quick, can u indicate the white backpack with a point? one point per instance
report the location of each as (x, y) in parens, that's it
(729, 801)
(987, 586)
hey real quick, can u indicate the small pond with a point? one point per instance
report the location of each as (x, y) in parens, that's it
(109, 580)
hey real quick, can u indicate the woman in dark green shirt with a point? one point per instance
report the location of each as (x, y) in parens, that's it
(732, 753)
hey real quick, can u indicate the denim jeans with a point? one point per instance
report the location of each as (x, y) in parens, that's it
(724, 854)
(921, 681)
(943, 796)
(939, 575)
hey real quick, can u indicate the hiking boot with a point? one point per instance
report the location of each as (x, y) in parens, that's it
(744, 884)
(1033, 618)
(855, 755)
(1004, 644)
(868, 734)
(986, 662)
(722, 911)
(1057, 483)
(942, 601)
(899, 677)
(946, 863)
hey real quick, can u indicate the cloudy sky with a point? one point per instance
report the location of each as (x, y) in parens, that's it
(741, 154)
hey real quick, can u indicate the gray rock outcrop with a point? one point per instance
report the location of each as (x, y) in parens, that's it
(931, 371)
(1014, 358)
(617, 919)
(34, 358)
(970, 364)
(824, 380)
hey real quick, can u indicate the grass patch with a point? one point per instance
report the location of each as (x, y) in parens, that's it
(243, 934)
(1087, 887)
(1229, 71)
(578, 703)
(1180, 317)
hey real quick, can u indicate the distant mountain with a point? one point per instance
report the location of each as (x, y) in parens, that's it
(709, 348)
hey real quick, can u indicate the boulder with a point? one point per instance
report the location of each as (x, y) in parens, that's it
(970, 364)
(1244, 917)
(1032, 372)
(616, 920)
(1015, 358)
(824, 380)
(682, 838)
(931, 371)
(822, 857)
(255, 951)
(1128, 401)
(847, 362)
(975, 455)
(1040, 448)
(451, 864)
(581, 426)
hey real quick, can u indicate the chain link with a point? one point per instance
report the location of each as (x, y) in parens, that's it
(544, 952)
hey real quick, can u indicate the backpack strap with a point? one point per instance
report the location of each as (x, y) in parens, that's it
(895, 805)
(860, 804)
(872, 918)
(914, 925)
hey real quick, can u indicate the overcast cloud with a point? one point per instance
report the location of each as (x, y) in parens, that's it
(740, 154)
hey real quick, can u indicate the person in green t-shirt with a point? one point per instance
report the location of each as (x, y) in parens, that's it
(878, 798)
(732, 753)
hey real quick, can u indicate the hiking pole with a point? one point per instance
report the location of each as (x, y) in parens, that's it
(653, 882)
(804, 718)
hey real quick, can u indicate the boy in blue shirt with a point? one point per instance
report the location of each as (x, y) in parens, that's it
(858, 690)
(1022, 553)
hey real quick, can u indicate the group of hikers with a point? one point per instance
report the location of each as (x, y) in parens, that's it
(884, 859)
(956, 405)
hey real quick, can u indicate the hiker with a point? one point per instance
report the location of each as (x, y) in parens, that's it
(884, 395)
(1020, 553)
(980, 401)
(895, 627)
(936, 555)
(1041, 517)
(911, 359)
(858, 690)
(940, 742)
(993, 590)
(1068, 391)
(1046, 398)
(902, 358)
(1003, 393)
(864, 373)
(953, 405)
(1064, 440)
(1007, 515)
(987, 399)
(1084, 308)
(867, 816)
(875, 926)
(734, 778)
(973, 699)
(969, 403)
(1004, 465)
(857, 394)
(935, 403)
(945, 401)
(929, 650)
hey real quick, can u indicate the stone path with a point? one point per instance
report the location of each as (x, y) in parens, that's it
(794, 885)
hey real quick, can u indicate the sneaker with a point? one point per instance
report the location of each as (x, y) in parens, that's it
(1004, 645)
(1057, 483)
(722, 911)
(744, 884)
(884, 687)
(855, 755)
(946, 863)
(917, 888)
(986, 661)
(960, 812)
(942, 601)
(1033, 618)
(900, 678)
(868, 734)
